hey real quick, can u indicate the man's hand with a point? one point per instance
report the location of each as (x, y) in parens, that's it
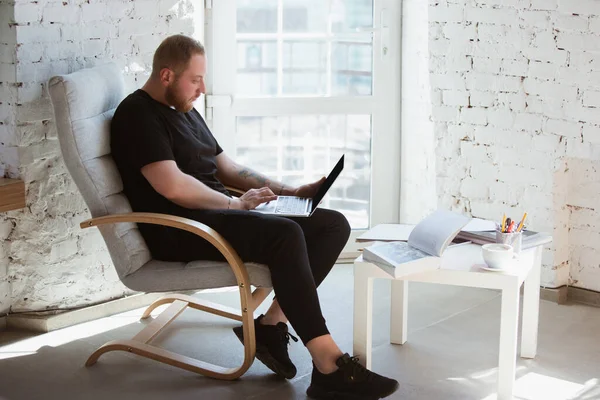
(309, 190)
(252, 198)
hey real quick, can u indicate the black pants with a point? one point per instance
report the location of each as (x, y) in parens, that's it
(299, 252)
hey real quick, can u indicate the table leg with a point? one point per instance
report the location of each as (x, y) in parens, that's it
(399, 314)
(509, 322)
(363, 314)
(531, 308)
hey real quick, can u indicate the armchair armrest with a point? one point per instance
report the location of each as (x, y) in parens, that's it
(235, 191)
(186, 224)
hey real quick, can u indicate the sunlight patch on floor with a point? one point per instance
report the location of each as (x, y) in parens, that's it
(533, 386)
(62, 336)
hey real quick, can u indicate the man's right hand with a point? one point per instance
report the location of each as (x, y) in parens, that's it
(252, 198)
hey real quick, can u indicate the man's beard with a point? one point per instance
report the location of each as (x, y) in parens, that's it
(180, 104)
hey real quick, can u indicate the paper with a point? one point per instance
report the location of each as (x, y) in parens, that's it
(387, 233)
(480, 225)
(433, 234)
(399, 258)
(394, 253)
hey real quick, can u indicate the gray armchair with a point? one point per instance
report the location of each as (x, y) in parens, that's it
(84, 103)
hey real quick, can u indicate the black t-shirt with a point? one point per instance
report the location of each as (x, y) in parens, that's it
(144, 131)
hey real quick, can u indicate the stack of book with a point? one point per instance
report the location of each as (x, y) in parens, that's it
(530, 238)
(422, 252)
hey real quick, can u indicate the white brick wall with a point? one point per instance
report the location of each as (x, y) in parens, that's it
(9, 163)
(584, 252)
(418, 151)
(521, 126)
(53, 263)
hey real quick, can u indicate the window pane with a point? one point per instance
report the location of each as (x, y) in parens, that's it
(252, 131)
(315, 15)
(256, 16)
(305, 16)
(262, 156)
(304, 68)
(257, 68)
(352, 65)
(300, 149)
(351, 15)
(293, 158)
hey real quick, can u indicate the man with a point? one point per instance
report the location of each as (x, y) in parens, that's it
(171, 163)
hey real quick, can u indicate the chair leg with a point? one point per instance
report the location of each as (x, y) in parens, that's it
(203, 305)
(171, 358)
(139, 344)
(258, 296)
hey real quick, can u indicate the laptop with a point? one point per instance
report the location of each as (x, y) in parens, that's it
(293, 206)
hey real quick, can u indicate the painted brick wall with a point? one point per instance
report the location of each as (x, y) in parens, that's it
(8, 159)
(515, 88)
(52, 263)
(584, 235)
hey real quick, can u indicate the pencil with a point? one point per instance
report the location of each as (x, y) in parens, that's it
(503, 222)
(521, 223)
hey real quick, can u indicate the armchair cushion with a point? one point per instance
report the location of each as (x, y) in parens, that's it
(161, 276)
(84, 103)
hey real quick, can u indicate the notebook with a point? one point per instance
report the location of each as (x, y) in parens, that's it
(293, 206)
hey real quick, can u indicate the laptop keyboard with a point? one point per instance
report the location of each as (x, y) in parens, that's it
(290, 205)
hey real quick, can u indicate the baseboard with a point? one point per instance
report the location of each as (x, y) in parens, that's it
(584, 296)
(44, 322)
(557, 295)
(573, 294)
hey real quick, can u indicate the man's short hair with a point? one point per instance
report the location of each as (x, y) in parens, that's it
(175, 53)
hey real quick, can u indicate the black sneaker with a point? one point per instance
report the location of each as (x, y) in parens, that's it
(271, 346)
(351, 381)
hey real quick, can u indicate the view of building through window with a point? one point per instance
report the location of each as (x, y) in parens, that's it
(300, 47)
(308, 48)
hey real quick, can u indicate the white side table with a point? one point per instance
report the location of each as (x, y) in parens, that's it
(460, 267)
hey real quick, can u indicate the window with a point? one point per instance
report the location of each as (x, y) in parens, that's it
(293, 84)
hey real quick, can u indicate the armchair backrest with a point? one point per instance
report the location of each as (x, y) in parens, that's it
(84, 103)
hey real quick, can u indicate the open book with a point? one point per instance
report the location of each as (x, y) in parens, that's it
(425, 245)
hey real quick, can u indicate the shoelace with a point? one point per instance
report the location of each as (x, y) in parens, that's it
(355, 372)
(285, 336)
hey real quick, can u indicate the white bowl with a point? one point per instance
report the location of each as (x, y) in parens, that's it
(497, 255)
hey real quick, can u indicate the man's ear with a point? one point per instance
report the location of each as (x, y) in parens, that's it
(166, 76)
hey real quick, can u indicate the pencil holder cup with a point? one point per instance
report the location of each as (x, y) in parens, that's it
(514, 239)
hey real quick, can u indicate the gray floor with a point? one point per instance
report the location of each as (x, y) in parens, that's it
(451, 353)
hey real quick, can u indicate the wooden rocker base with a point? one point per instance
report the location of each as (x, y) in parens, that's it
(140, 343)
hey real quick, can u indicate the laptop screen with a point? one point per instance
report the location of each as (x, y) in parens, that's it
(335, 172)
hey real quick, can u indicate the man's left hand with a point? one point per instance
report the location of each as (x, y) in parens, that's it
(310, 189)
